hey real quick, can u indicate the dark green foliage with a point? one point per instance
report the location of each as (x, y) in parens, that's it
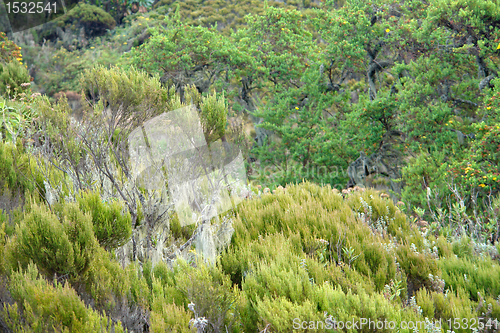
(112, 225)
(95, 20)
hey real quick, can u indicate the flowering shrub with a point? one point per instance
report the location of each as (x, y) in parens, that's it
(9, 50)
(481, 172)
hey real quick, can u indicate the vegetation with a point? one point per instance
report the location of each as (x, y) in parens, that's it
(304, 88)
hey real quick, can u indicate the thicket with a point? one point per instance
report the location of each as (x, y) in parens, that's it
(93, 19)
(322, 85)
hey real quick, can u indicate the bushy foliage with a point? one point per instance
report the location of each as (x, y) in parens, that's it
(326, 84)
(212, 110)
(112, 226)
(359, 244)
(14, 79)
(9, 51)
(211, 295)
(93, 19)
(59, 245)
(13, 161)
(50, 308)
(227, 15)
(475, 276)
(18, 118)
(182, 55)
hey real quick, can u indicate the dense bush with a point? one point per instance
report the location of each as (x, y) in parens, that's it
(9, 51)
(112, 225)
(14, 78)
(93, 19)
(42, 307)
(327, 83)
(61, 245)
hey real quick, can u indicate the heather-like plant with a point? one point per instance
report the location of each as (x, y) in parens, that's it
(61, 246)
(42, 307)
(212, 295)
(14, 78)
(112, 226)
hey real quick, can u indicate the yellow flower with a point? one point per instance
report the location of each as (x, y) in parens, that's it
(450, 121)
(498, 47)
(482, 185)
(140, 24)
(282, 29)
(387, 30)
(488, 108)
(494, 178)
(296, 108)
(125, 43)
(92, 47)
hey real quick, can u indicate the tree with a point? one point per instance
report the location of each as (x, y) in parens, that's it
(187, 55)
(94, 153)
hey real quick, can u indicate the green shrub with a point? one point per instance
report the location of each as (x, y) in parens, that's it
(308, 213)
(446, 307)
(473, 275)
(106, 280)
(112, 226)
(167, 317)
(9, 51)
(12, 75)
(62, 246)
(417, 267)
(211, 292)
(168, 279)
(94, 19)
(50, 308)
